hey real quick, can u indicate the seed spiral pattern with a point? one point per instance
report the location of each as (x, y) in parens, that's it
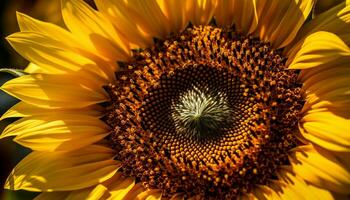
(208, 112)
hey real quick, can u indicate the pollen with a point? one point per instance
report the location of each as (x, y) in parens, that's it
(207, 113)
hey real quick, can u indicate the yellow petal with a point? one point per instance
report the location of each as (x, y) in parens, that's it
(240, 13)
(55, 57)
(264, 192)
(200, 12)
(120, 188)
(327, 130)
(138, 21)
(126, 21)
(294, 187)
(23, 109)
(134, 192)
(279, 21)
(55, 91)
(154, 195)
(175, 12)
(327, 88)
(57, 171)
(318, 49)
(245, 196)
(335, 20)
(335, 67)
(93, 28)
(149, 195)
(60, 132)
(178, 196)
(52, 196)
(153, 17)
(68, 40)
(327, 82)
(320, 168)
(92, 193)
(29, 24)
(33, 68)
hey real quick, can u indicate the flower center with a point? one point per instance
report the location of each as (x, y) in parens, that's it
(208, 112)
(200, 113)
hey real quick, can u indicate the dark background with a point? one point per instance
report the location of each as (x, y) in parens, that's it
(10, 152)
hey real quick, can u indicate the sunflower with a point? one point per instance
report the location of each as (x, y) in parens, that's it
(197, 99)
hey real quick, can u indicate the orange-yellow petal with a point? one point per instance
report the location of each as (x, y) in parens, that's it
(320, 168)
(139, 21)
(29, 24)
(336, 20)
(318, 49)
(178, 196)
(53, 56)
(120, 188)
(176, 14)
(326, 87)
(241, 14)
(33, 68)
(264, 192)
(69, 43)
(55, 91)
(93, 28)
(279, 21)
(60, 132)
(59, 171)
(326, 130)
(93, 193)
(138, 192)
(200, 12)
(23, 109)
(294, 187)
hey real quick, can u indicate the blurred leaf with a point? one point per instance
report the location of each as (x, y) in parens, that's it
(18, 195)
(6, 101)
(14, 72)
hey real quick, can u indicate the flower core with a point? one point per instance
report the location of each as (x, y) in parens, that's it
(200, 112)
(207, 112)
